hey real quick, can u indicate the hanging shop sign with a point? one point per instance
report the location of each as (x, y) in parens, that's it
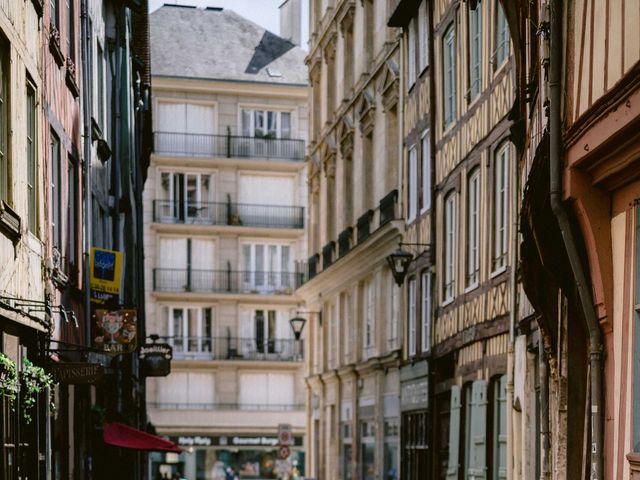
(105, 270)
(115, 331)
(76, 373)
(155, 359)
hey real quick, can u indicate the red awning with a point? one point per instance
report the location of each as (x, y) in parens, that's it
(121, 435)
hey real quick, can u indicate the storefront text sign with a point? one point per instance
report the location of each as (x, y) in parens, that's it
(105, 270)
(76, 373)
(415, 394)
(231, 440)
(115, 331)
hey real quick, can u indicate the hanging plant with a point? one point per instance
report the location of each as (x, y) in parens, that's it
(9, 385)
(34, 380)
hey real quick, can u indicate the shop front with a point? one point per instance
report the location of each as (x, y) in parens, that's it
(227, 457)
(415, 428)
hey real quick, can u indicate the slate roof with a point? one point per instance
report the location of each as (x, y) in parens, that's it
(222, 45)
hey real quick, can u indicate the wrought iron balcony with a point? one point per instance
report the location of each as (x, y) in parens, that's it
(225, 281)
(229, 146)
(259, 407)
(212, 213)
(236, 348)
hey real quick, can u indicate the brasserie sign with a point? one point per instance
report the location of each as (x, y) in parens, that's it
(76, 373)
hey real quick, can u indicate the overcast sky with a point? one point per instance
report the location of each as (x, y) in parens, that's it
(262, 12)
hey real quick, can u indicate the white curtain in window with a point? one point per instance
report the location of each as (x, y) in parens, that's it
(203, 254)
(173, 253)
(265, 190)
(200, 119)
(201, 388)
(173, 388)
(171, 117)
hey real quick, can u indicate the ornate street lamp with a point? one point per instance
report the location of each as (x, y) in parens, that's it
(400, 260)
(297, 325)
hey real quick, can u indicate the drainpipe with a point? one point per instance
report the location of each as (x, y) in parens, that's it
(559, 210)
(545, 472)
(513, 309)
(86, 133)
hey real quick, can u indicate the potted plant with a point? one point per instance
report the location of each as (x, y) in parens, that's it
(9, 385)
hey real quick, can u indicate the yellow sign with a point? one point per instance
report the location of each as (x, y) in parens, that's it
(106, 270)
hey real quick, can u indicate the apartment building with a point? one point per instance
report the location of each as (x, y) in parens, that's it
(225, 222)
(354, 209)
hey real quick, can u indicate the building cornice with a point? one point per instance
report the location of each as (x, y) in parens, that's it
(253, 89)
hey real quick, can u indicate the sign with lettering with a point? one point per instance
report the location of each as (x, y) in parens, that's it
(155, 359)
(115, 331)
(235, 440)
(105, 270)
(76, 373)
(414, 395)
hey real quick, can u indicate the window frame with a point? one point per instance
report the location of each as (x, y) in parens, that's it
(412, 67)
(412, 337)
(265, 110)
(474, 32)
(425, 140)
(412, 204)
(474, 190)
(369, 330)
(450, 247)
(5, 97)
(449, 82)
(32, 158)
(501, 38)
(500, 210)
(425, 313)
(423, 37)
(56, 191)
(201, 339)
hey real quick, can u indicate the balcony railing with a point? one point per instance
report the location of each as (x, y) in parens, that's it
(225, 281)
(236, 348)
(229, 146)
(212, 213)
(259, 407)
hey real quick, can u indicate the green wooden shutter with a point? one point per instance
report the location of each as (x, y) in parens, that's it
(478, 456)
(454, 434)
(501, 428)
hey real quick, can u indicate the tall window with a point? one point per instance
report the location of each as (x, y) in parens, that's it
(368, 450)
(190, 330)
(411, 53)
(72, 213)
(502, 36)
(265, 331)
(347, 326)
(56, 187)
(348, 59)
(185, 197)
(347, 441)
(423, 34)
(449, 71)
(71, 31)
(369, 318)
(266, 267)
(394, 314)
(475, 51)
(32, 161)
(413, 183)
(266, 124)
(426, 171)
(54, 6)
(412, 317)
(100, 81)
(4, 120)
(500, 207)
(499, 428)
(473, 228)
(426, 311)
(450, 245)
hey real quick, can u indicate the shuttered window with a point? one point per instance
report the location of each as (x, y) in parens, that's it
(412, 340)
(32, 160)
(473, 228)
(266, 190)
(187, 390)
(501, 37)
(426, 171)
(413, 184)
(423, 34)
(500, 207)
(454, 435)
(499, 430)
(426, 311)
(450, 245)
(411, 53)
(449, 72)
(477, 433)
(475, 51)
(4, 119)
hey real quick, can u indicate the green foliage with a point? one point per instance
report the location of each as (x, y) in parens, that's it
(34, 380)
(8, 378)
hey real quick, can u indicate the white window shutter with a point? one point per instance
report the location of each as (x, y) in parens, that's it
(454, 434)
(478, 460)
